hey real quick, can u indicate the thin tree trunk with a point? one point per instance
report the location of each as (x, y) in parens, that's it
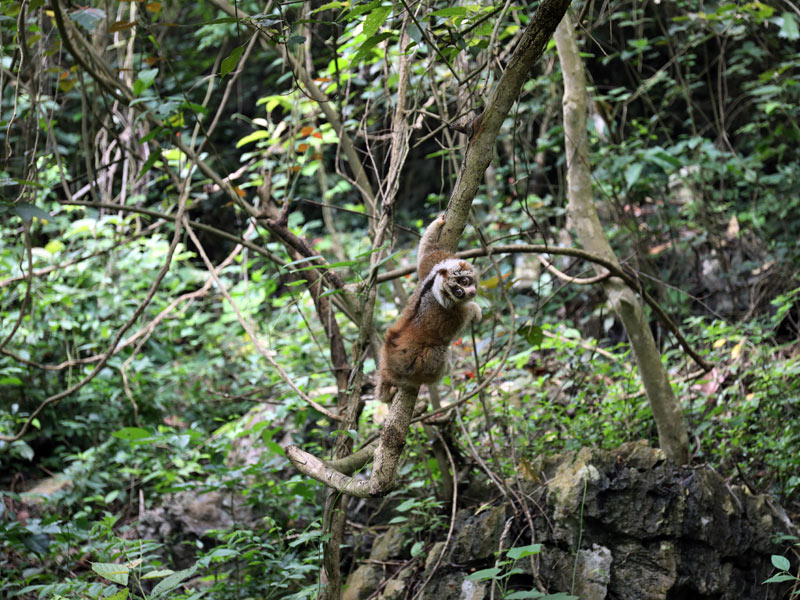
(581, 210)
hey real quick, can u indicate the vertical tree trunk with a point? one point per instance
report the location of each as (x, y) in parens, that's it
(667, 412)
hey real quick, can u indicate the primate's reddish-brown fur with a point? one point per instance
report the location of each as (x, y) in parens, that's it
(416, 347)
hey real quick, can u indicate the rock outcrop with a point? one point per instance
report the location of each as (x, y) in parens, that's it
(610, 525)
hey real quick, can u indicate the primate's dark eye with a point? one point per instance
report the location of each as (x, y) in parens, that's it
(458, 292)
(464, 280)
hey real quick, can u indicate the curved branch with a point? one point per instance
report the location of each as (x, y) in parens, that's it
(610, 266)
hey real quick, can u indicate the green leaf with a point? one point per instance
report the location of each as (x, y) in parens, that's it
(368, 45)
(407, 505)
(329, 6)
(361, 9)
(10, 381)
(25, 451)
(112, 572)
(454, 11)
(144, 81)
(131, 433)
(780, 578)
(632, 174)
(398, 520)
(375, 19)
(533, 334)
(158, 574)
(172, 581)
(229, 64)
(484, 574)
(253, 137)
(148, 164)
(524, 595)
(789, 28)
(120, 595)
(417, 549)
(28, 211)
(523, 551)
(780, 562)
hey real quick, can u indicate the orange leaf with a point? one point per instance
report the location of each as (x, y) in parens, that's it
(153, 7)
(239, 191)
(317, 135)
(305, 131)
(295, 168)
(317, 156)
(323, 79)
(121, 25)
(303, 147)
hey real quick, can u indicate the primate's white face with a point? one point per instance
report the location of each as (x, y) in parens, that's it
(456, 282)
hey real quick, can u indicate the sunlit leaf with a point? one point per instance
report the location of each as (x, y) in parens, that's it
(375, 19)
(229, 63)
(112, 572)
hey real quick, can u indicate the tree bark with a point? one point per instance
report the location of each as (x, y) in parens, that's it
(667, 412)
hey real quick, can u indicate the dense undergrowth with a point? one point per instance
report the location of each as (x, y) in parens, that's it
(695, 157)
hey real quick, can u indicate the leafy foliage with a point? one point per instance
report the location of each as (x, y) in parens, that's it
(695, 156)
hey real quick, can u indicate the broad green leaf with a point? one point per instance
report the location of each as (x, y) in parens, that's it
(25, 451)
(523, 551)
(229, 63)
(361, 9)
(789, 29)
(368, 45)
(172, 581)
(144, 81)
(158, 574)
(632, 174)
(112, 572)
(533, 335)
(780, 578)
(28, 211)
(221, 553)
(10, 381)
(484, 574)
(780, 562)
(375, 19)
(132, 433)
(524, 595)
(398, 520)
(407, 505)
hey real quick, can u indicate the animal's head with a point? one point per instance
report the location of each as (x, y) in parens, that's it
(456, 281)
